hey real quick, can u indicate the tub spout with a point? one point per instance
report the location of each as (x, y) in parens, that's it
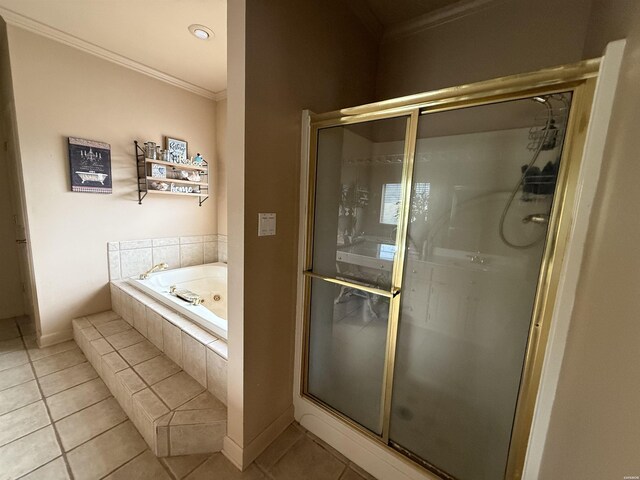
(155, 268)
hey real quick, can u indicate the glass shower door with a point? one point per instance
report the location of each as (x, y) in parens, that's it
(483, 185)
(357, 203)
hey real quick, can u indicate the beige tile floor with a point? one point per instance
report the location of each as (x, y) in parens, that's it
(58, 420)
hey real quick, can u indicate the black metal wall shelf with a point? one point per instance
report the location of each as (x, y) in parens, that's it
(144, 167)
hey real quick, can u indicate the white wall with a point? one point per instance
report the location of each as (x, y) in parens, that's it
(221, 165)
(61, 92)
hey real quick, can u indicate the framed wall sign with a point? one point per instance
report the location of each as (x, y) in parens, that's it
(158, 171)
(90, 166)
(177, 149)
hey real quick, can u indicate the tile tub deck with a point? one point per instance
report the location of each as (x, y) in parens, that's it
(174, 413)
(202, 355)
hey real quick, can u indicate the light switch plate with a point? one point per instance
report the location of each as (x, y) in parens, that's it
(266, 224)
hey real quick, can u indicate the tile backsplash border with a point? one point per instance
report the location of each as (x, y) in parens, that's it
(131, 257)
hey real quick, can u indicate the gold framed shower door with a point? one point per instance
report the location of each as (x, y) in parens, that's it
(579, 79)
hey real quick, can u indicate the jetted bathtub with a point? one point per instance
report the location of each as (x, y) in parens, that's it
(209, 281)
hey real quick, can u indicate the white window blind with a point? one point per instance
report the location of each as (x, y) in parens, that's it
(391, 201)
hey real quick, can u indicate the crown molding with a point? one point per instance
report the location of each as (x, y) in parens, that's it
(437, 17)
(26, 23)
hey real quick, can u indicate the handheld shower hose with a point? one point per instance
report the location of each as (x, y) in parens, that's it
(513, 194)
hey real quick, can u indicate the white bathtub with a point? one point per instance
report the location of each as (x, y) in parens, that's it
(206, 280)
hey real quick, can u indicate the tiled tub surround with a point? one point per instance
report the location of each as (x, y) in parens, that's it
(199, 353)
(132, 257)
(222, 248)
(175, 414)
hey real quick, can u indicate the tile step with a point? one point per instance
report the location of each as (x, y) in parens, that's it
(174, 413)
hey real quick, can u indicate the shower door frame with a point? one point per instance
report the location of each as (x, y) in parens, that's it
(579, 79)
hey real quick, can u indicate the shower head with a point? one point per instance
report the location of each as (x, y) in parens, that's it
(539, 99)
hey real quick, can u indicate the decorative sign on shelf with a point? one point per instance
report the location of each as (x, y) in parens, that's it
(177, 150)
(182, 189)
(158, 171)
(90, 166)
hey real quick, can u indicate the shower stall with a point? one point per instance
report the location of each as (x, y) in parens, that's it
(433, 231)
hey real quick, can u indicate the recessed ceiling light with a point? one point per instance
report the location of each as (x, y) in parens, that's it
(201, 32)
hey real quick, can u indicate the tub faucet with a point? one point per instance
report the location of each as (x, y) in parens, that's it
(155, 268)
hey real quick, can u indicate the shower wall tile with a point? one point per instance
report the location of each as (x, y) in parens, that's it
(132, 257)
(169, 255)
(210, 252)
(191, 254)
(134, 262)
(191, 239)
(131, 244)
(164, 242)
(114, 264)
(222, 252)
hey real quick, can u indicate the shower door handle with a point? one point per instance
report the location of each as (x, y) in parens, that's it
(357, 286)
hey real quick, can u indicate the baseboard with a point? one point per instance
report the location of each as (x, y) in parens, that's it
(267, 436)
(232, 451)
(54, 338)
(243, 457)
